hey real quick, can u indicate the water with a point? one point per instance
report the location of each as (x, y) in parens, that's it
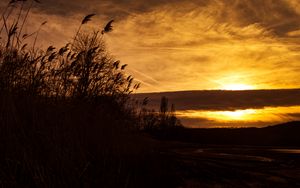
(287, 151)
(245, 154)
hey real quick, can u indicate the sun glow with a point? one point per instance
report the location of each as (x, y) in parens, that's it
(264, 116)
(237, 87)
(241, 115)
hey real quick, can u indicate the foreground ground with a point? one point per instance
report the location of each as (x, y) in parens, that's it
(234, 166)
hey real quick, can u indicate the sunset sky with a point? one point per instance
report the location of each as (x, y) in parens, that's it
(177, 45)
(189, 45)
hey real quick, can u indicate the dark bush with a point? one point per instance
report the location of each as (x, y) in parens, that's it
(65, 120)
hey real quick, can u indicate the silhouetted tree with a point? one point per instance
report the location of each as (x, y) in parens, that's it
(173, 121)
(163, 119)
(164, 105)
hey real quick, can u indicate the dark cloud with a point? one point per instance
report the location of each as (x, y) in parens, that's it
(116, 8)
(277, 15)
(225, 100)
(293, 115)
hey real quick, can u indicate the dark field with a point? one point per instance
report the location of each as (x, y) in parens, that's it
(249, 157)
(235, 166)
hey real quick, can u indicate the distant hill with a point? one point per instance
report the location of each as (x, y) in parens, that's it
(286, 134)
(284, 126)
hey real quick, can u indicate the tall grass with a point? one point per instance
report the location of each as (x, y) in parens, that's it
(153, 121)
(64, 115)
(81, 70)
(75, 145)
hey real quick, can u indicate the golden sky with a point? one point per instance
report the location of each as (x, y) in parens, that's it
(177, 45)
(189, 45)
(231, 108)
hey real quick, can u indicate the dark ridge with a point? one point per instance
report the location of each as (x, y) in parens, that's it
(288, 125)
(286, 134)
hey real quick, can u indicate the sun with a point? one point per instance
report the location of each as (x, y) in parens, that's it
(237, 115)
(236, 87)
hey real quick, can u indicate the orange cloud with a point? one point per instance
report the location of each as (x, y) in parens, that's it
(184, 45)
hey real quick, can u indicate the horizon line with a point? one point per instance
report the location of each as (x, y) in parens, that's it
(178, 91)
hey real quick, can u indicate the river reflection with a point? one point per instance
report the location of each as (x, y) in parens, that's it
(290, 151)
(239, 118)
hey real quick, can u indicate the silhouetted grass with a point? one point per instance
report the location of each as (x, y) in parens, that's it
(74, 145)
(65, 119)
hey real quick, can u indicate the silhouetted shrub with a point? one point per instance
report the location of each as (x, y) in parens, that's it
(64, 117)
(80, 70)
(164, 119)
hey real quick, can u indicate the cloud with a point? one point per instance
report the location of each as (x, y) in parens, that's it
(219, 100)
(219, 108)
(188, 45)
(199, 122)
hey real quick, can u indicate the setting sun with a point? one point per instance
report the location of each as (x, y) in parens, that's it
(245, 115)
(251, 116)
(237, 87)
